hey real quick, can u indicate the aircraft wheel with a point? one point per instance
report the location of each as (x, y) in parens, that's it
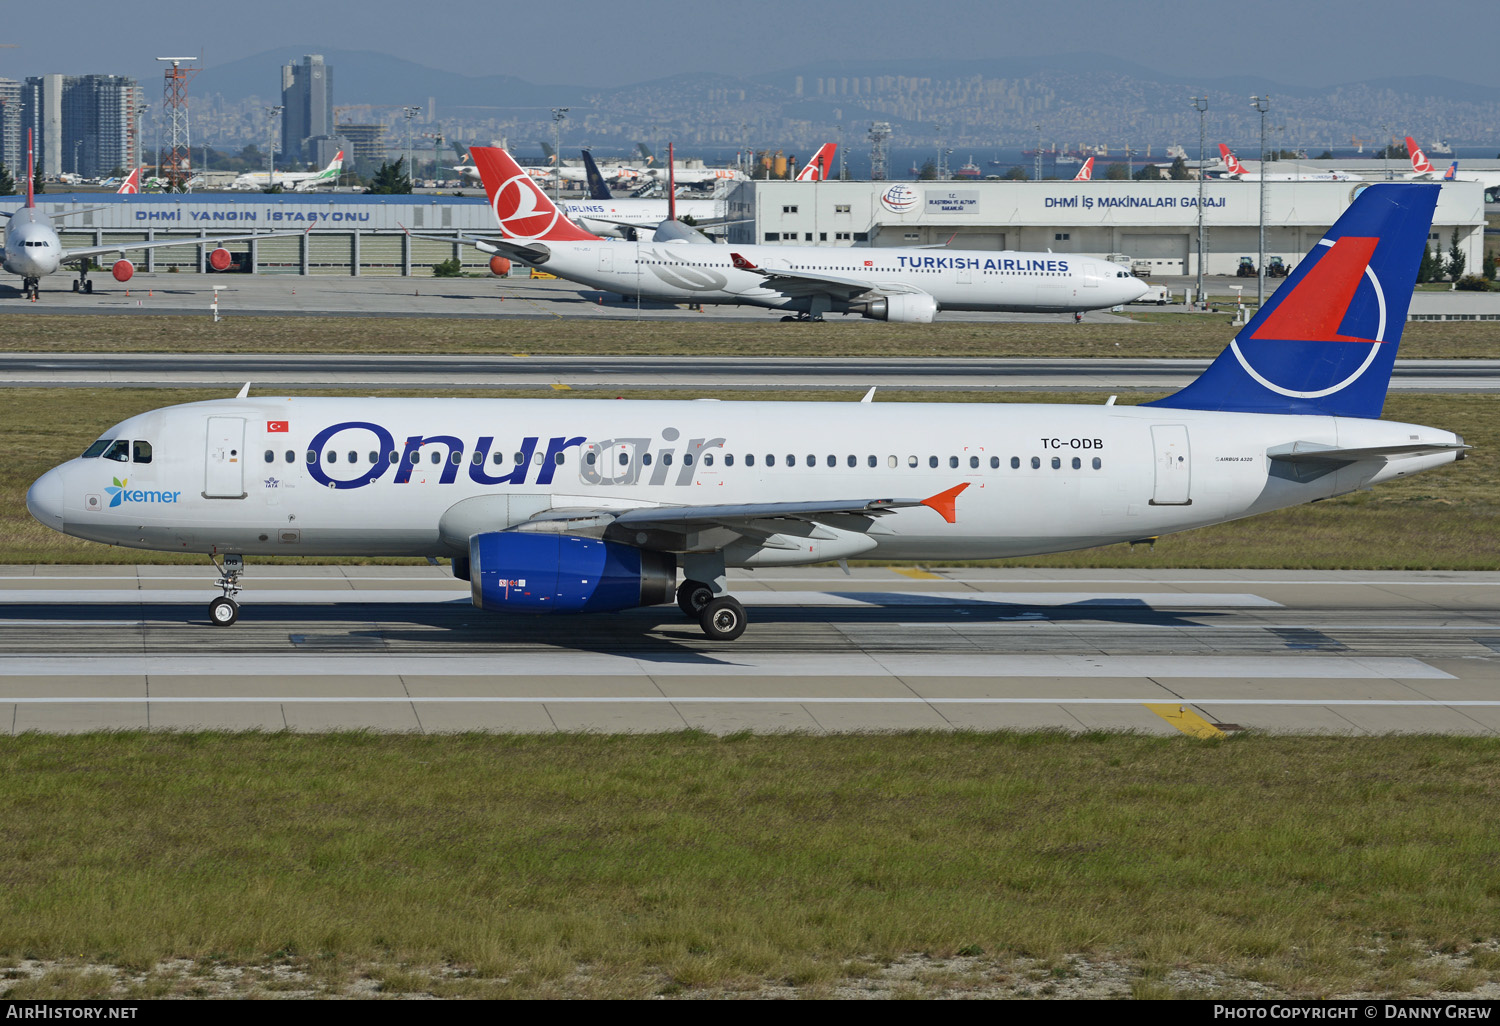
(723, 619)
(75, 286)
(692, 596)
(788, 317)
(88, 287)
(223, 612)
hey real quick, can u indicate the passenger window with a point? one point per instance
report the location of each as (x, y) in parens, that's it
(521, 458)
(646, 459)
(1097, 463)
(932, 461)
(729, 459)
(332, 456)
(375, 457)
(312, 456)
(953, 462)
(1015, 463)
(708, 459)
(749, 459)
(476, 459)
(436, 457)
(557, 458)
(666, 459)
(1077, 463)
(812, 461)
(974, 462)
(270, 456)
(873, 462)
(393, 457)
(589, 458)
(911, 461)
(455, 457)
(687, 459)
(1036, 463)
(1057, 463)
(291, 457)
(416, 458)
(791, 460)
(624, 458)
(93, 451)
(833, 460)
(119, 452)
(353, 456)
(853, 460)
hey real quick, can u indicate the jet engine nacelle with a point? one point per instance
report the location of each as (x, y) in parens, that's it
(499, 266)
(563, 573)
(919, 308)
(123, 270)
(220, 259)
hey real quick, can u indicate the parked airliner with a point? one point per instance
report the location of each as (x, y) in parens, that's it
(297, 181)
(802, 281)
(33, 249)
(1236, 171)
(562, 506)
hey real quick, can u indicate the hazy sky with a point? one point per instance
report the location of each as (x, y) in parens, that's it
(613, 42)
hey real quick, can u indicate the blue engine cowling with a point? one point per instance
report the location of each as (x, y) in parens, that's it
(542, 573)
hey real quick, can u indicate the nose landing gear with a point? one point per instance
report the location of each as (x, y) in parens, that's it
(30, 287)
(224, 611)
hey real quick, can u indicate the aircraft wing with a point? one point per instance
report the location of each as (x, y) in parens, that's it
(749, 518)
(813, 282)
(533, 253)
(74, 255)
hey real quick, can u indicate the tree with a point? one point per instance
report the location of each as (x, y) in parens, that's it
(7, 183)
(37, 185)
(450, 268)
(1148, 173)
(391, 179)
(1017, 174)
(1326, 155)
(928, 172)
(1178, 172)
(1427, 269)
(1489, 266)
(1456, 258)
(1117, 173)
(1395, 151)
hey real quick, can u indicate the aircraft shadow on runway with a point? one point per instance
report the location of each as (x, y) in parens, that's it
(655, 632)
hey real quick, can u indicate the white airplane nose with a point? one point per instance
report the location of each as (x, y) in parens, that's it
(1135, 289)
(44, 499)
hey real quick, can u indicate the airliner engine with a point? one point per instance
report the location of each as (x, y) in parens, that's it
(918, 308)
(543, 573)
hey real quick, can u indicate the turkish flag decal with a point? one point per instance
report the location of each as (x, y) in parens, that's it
(278, 425)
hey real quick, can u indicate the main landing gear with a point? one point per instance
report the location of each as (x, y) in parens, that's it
(721, 617)
(83, 284)
(224, 611)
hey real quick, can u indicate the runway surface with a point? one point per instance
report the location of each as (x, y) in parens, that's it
(165, 370)
(401, 648)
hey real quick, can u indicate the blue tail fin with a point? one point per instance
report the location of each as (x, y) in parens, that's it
(1326, 341)
(598, 189)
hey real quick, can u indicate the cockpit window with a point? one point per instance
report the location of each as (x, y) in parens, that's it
(142, 452)
(118, 451)
(94, 450)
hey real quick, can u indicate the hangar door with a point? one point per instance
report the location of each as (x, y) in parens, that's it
(1167, 253)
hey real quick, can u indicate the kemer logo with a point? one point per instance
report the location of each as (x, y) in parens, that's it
(121, 492)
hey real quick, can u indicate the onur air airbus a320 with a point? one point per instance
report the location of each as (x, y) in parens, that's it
(588, 506)
(802, 281)
(34, 250)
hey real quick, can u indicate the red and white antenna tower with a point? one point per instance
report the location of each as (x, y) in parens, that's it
(177, 167)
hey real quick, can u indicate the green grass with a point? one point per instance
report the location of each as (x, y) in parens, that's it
(1443, 519)
(625, 866)
(1156, 335)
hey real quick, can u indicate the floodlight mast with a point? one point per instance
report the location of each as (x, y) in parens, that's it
(178, 165)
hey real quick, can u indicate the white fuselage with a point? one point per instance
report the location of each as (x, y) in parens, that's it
(286, 179)
(417, 477)
(642, 214)
(957, 280)
(32, 247)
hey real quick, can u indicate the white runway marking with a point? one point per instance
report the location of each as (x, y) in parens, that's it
(735, 700)
(690, 664)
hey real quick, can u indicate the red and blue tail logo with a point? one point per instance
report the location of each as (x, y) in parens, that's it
(1325, 342)
(1451, 175)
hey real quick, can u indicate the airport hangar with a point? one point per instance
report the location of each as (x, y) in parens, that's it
(1156, 222)
(355, 234)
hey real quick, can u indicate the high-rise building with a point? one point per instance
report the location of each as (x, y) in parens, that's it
(87, 125)
(12, 136)
(307, 102)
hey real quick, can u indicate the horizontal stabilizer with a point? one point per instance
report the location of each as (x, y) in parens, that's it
(1317, 452)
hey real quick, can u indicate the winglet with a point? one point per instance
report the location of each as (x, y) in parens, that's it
(944, 502)
(741, 263)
